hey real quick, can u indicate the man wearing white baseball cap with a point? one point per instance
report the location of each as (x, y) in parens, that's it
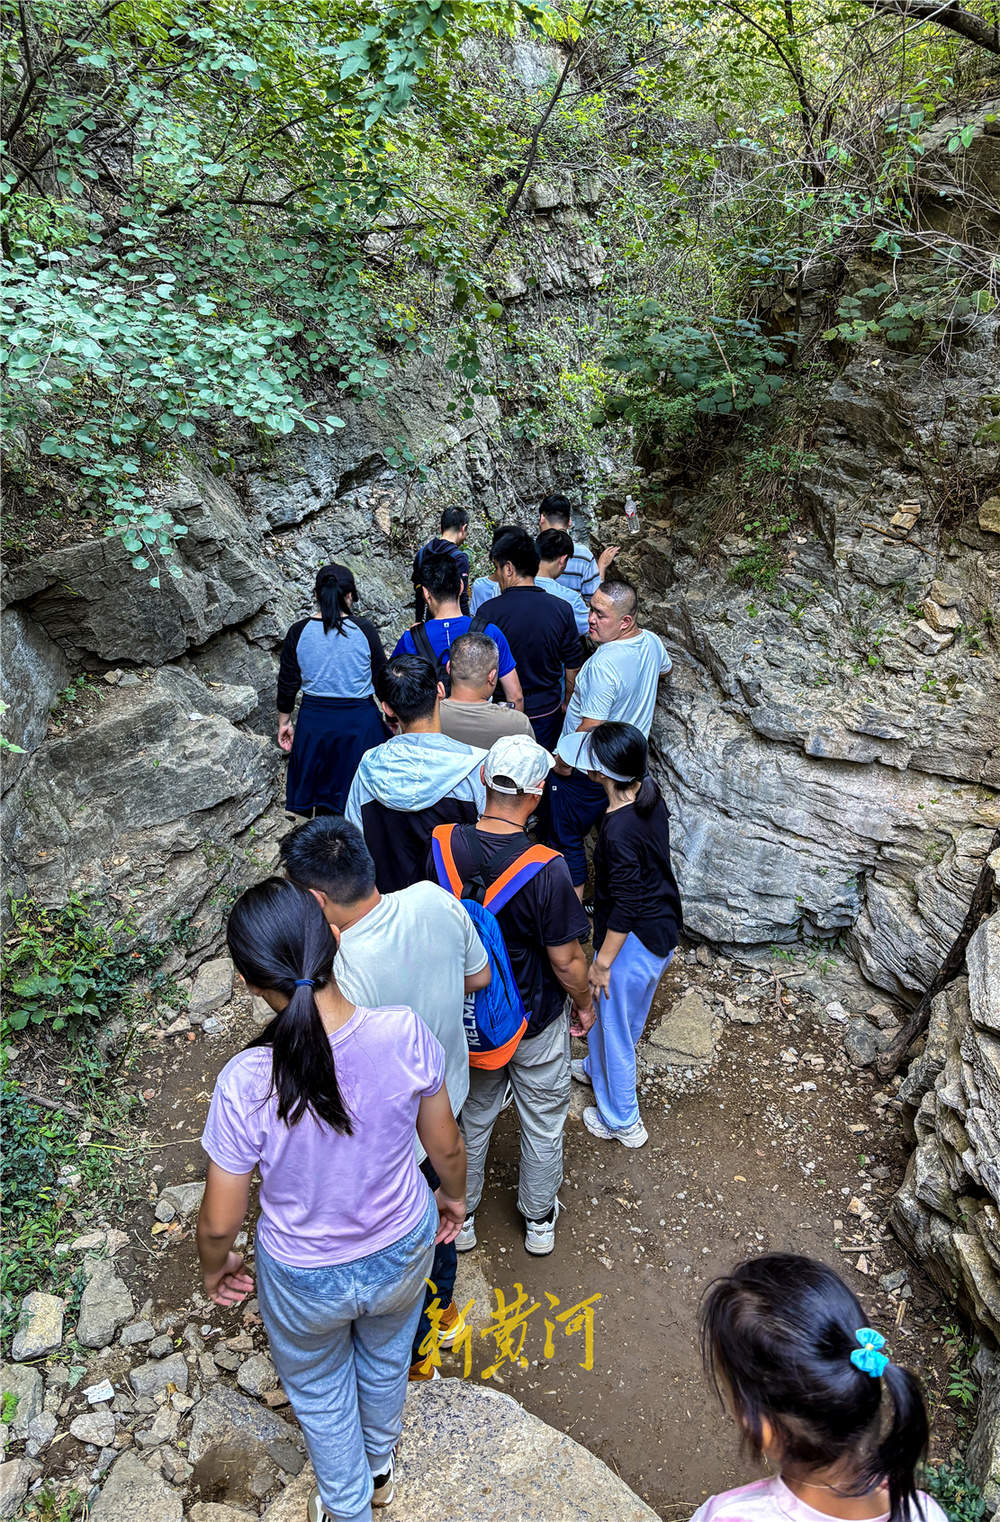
(542, 925)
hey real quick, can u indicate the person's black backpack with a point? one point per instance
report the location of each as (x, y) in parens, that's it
(422, 642)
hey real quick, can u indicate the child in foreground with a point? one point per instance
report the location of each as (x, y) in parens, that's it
(790, 1357)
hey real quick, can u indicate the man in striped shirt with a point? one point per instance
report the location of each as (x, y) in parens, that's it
(583, 573)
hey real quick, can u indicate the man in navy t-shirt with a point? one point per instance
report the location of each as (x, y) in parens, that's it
(454, 532)
(446, 623)
(540, 630)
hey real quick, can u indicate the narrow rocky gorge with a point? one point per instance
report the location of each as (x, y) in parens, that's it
(829, 747)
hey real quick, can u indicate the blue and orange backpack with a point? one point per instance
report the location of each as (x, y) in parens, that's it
(495, 1016)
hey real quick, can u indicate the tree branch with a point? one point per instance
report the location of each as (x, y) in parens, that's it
(532, 154)
(947, 14)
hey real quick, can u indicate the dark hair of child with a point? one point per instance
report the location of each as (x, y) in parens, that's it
(777, 1336)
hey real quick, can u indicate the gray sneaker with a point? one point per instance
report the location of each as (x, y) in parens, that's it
(466, 1239)
(540, 1236)
(632, 1136)
(579, 1072)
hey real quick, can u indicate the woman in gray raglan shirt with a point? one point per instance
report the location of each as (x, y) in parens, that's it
(334, 657)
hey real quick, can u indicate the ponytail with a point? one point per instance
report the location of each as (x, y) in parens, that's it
(331, 595)
(279, 940)
(903, 1445)
(647, 797)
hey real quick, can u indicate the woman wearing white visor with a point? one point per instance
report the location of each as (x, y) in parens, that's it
(637, 920)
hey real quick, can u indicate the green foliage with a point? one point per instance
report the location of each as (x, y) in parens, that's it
(8, 1409)
(8, 745)
(64, 970)
(675, 371)
(958, 1495)
(187, 197)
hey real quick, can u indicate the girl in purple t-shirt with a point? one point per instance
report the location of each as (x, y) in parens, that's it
(325, 1102)
(812, 1393)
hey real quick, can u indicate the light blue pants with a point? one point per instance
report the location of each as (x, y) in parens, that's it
(610, 1062)
(340, 1339)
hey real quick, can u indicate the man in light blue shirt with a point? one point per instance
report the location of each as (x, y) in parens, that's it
(582, 573)
(618, 682)
(555, 548)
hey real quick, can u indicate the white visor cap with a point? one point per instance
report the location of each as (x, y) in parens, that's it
(577, 751)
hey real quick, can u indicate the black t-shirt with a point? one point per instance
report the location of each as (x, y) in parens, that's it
(546, 912)
(541, 633)
(634, 887)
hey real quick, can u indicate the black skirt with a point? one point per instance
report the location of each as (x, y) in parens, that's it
(331, 736)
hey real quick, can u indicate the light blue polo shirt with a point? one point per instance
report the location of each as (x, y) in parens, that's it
(619, 682)
(567, 594)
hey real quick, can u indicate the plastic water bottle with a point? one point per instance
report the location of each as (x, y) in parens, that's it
(632, 515)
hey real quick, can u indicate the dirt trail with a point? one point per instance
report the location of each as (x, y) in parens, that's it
(782, 1145)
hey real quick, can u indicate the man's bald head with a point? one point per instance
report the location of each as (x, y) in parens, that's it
(613, 609)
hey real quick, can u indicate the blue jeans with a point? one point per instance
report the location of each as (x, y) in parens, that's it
(612, 1040)
(444, 1271)
(340, 1338)
(577, 804)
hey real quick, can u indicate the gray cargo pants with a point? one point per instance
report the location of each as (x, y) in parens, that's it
(539, 1076)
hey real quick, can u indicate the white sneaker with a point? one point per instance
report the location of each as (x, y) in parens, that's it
(385, 1484)
(579, 1071)
(632, 1136)
(540, 1236)
(466, 1239)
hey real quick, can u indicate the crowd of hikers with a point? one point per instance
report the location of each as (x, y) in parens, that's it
(423, 954)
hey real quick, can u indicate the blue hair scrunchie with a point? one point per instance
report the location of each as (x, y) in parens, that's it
(867, 1358)
(305, 982)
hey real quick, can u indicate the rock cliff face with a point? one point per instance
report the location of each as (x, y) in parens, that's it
(833, 758)
(948, 1209)
(831, 752)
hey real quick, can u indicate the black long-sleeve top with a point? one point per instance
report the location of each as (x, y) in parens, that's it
(634, 886)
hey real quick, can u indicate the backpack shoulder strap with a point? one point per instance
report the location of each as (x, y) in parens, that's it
(422, 641)
(478, 624)
(442, 846)
(514, 877)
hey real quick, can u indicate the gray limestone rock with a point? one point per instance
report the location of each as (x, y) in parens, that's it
(40, 1327)
(135, 1333)
(164, 1429)
(97, 1427)
(861, 1043)
(213, 987)
(225, 1418)
(525, 1471)
(15, 1477)
(133, 1493)
(104, 1306)
(182, 1199)
(257, 1374)
(40, 1433)
(25, 1384)
(685, 1035)
(152, 1377)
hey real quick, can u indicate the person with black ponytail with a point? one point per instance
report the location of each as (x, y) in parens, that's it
(637, 920)
(324, 1102)
(814, 1392)
(334, 657)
